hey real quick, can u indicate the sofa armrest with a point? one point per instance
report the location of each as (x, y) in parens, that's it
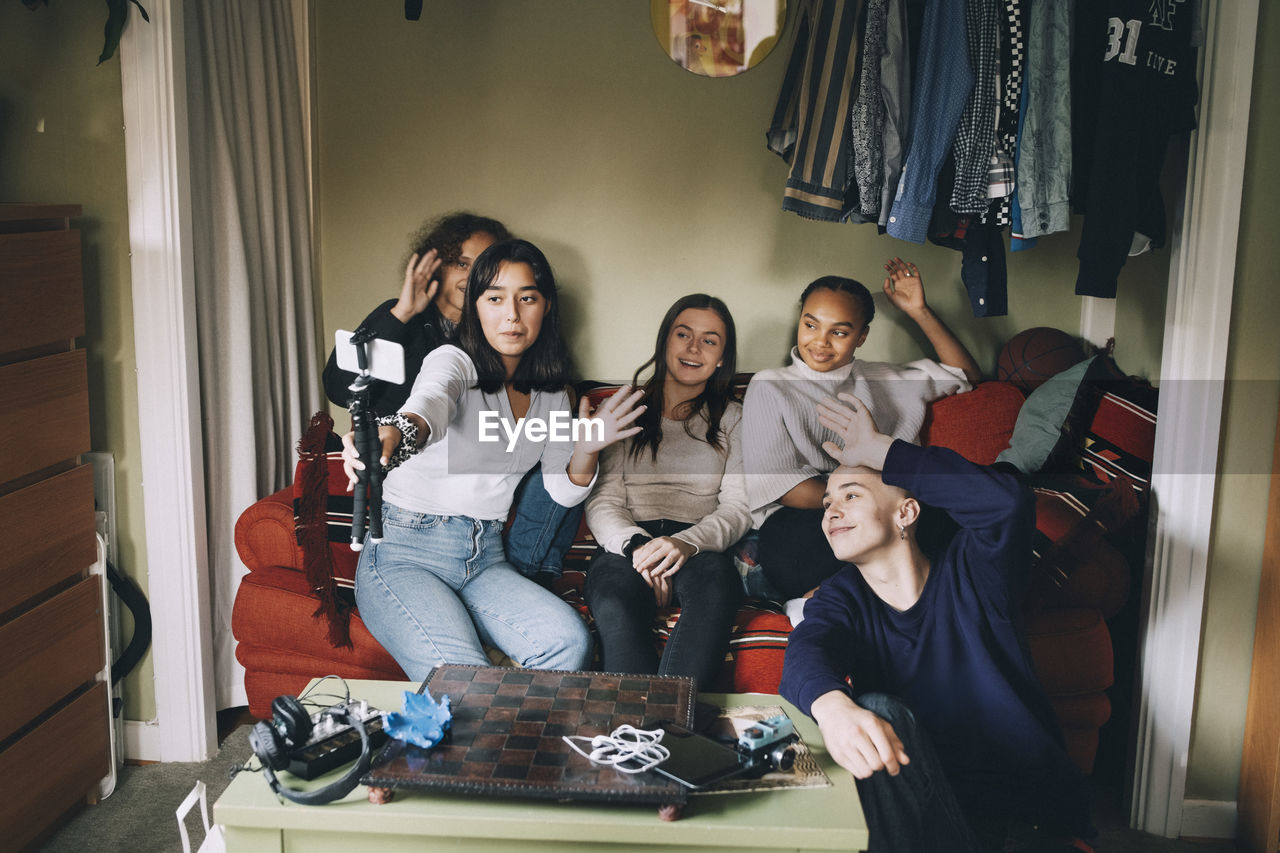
(265, 534)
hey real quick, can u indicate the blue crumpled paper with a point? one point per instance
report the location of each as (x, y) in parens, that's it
(423, 722)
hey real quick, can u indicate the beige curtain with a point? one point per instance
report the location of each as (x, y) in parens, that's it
(252, 258)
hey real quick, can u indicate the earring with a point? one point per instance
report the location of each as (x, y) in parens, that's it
(902, 532)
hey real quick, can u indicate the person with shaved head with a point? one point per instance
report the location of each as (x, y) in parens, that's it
(914, 664)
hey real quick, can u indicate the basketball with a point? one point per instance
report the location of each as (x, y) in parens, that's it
(1033, 356)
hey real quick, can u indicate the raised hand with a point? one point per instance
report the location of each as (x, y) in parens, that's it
(861, 442)
(617, 413)
(420, 286)
(857, 739)
(904, 287)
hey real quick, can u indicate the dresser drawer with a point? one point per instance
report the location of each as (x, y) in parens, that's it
(53, 767)
(48, 531)
(46, 413)
(49, 652)
(42, 300)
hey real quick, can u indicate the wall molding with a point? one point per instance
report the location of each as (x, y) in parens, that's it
(142, 741)
(153, 83)
(1209, 819)
(1193, 370)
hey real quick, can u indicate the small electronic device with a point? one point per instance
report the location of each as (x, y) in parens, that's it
(334, 741)
(386, 358)
(770, 744)
(291, 728)
(697, 761)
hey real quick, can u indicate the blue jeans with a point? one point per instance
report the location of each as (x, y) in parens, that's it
(437, 587)
(542, 530)
(915, 811)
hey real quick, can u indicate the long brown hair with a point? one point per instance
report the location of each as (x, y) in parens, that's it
(715, 397)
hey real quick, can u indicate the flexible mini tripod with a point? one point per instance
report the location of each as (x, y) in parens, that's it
(368, 489)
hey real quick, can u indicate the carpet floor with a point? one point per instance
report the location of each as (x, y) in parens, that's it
(140, 814)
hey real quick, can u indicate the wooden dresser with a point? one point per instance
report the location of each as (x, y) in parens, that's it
(54, 727)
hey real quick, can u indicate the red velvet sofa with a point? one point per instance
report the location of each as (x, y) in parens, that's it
(283, 641)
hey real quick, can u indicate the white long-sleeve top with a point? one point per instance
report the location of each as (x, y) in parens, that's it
(690, 481)
(458, 474)
(782, 438)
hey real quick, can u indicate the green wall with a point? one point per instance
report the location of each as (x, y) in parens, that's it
(62, 141)
(1248, 437)
(641, 181)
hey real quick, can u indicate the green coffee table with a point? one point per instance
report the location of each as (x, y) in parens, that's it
(797, 819)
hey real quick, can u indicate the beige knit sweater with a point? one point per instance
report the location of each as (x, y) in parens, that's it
(691, 481)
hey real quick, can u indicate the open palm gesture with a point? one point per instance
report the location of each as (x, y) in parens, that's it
(904, 286)
(618, 412)
(862, 445)
(420, 286)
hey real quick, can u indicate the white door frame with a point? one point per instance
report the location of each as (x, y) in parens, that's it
(153, 82)
(1192, 373)
(1198, 310)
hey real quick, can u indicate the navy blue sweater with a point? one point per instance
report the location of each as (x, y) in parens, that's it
(957, 657)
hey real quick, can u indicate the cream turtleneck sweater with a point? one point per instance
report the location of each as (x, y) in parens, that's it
(782, 439)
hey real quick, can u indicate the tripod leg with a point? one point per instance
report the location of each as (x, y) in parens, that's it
(375, 503)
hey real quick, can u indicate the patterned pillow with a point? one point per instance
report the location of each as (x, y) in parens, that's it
(1120, 439)
(1110, 431)
(1073, 562)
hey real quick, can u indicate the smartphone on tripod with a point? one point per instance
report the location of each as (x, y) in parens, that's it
(371, 359)
(386, 358)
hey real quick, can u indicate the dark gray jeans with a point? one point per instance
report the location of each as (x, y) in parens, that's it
(707, 589)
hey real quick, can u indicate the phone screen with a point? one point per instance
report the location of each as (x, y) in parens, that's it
(386, 358)
(697, 761)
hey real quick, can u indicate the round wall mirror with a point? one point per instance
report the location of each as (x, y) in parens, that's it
(717, 38)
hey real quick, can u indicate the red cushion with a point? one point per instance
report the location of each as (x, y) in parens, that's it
(756, 648)
(276, 609)
(1071, 649)
(976, 424)
(1075, 565)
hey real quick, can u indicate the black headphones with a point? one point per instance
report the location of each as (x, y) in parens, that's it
(290, 726)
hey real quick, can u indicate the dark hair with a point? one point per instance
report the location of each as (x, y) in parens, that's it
(840, 284)
(714, 398)
(546, 365)
(447, 234)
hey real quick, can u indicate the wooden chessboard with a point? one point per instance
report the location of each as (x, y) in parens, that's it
(507, 734)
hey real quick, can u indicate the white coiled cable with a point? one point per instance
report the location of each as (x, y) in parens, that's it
(625, 744)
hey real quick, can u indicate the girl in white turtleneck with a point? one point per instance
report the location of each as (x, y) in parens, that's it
(782, 440)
